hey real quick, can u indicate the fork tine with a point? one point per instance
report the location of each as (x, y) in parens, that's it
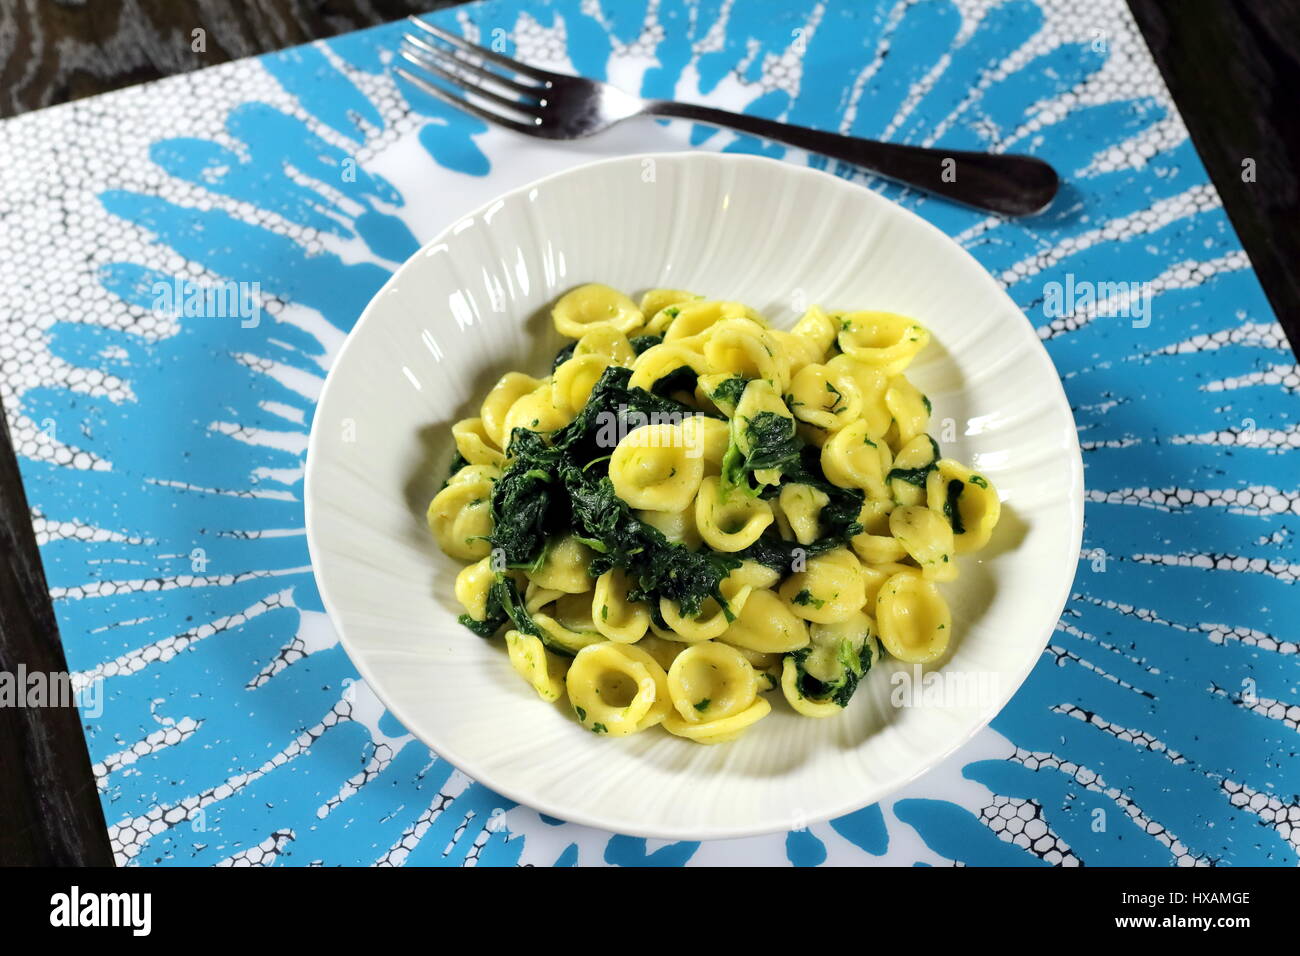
(523, 69)
(461, 103)
(444, 55)
(467, 83)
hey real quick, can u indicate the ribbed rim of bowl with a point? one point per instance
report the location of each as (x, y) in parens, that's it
(688, 157)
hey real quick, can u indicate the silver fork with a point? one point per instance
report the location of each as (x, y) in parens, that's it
(538, 102)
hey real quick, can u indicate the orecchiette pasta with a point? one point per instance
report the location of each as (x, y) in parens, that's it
(913, 618)
(572, 382)
(543, 670)
(509, 389)
(732, 523)
(829, 589)
(617, 689)
(460, 517)
(882, 340)
(607, 343)
(595, 306)
(564, 567)
(711, 681)
(968, 501)
(927, 539)
(474, 445)
(693, 509)
(852, 459)
(800, 511)
(618, 618)
(657, 467)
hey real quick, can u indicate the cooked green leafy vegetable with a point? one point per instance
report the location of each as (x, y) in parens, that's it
(563, 355)
(832, 665)
(562, 486)
(917, 476)
(642, 342)
(727, 395)
(457, 463)
(772, 443)
(678, 380)
(951, 511)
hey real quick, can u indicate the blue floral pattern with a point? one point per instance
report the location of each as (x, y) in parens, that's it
(162, 449)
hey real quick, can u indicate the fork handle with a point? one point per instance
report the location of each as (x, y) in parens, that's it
(1009, 184)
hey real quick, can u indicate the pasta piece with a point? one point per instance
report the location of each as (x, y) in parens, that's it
(544, 671)
(662, 361)
(805, 706)
(968, 500)
(911, 409)
(535, 412)
(474, 445)
(874, 577)
(564, 567)
(757, 659)
(800, 508)
(509, 389)
(817, 327)
(536, 598)
(732, 524)
(766, 625)
(677, 526)
(876, 544)
(619, 619)
(707, 437)
(913, 619)
(928, 540)
(652, 468)
(883, 340)
(800, 351)
(711, 681)
(572, 382)
(487, 473)
(460, 517)
(824, 399)
(712, 620)
(607, 343)
(617, 689)
(595, 306)
(472, 584)
(741, 348)
(718, 731)
(755, 575)
(872, 385)
(911, 471)
(689, 320)
(662, 650)
(852, 459)
(655, 300)
(570, 628)
(827, 672)
(830, 588)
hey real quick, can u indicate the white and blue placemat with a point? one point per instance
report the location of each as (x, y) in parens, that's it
(161, 439)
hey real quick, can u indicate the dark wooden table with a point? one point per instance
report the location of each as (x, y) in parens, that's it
(1233, 67)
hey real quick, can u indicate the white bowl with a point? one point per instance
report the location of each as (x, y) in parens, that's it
(472, 304)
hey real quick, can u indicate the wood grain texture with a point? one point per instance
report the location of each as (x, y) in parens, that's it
(1232, 67)
(52, 51)
(49, 810)
(1234, 71)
